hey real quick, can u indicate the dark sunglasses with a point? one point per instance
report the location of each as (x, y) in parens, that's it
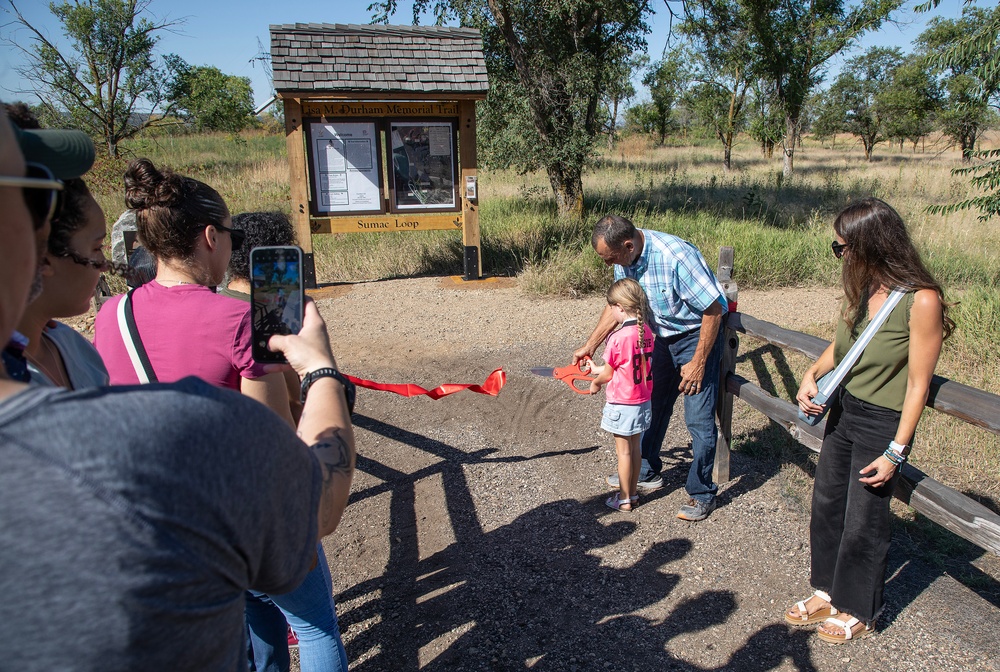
(237, 235)
(838, 249)
(41, 192)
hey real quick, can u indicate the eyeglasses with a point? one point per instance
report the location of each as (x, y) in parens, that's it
(238, 235)
(41, 192)
(838, 249)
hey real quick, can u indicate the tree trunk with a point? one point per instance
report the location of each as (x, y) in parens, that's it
(790, 132)
(567, 186)
(727, 155)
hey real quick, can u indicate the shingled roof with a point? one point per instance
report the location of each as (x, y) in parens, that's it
(341, 58)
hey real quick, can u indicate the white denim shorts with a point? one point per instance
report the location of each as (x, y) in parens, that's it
(625, 419)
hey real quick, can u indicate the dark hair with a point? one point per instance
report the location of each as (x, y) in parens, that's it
(615, 230)
(71, 217)
(880, 253)
(170, 209)
(141, 267)
(261, 229)
(21, 116)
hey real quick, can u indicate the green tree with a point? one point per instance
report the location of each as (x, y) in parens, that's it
(966, 108)
(208, 98)
(767, 125)
(857, 94)
(982, 42)
(640, 118)
(620, 91)
(795, 39)
(107, 70)
(724, 67)
(827, 116)
(910, 100)
(666, 80)
(550, 61)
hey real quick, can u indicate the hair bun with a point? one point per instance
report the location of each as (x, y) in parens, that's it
(146, 186)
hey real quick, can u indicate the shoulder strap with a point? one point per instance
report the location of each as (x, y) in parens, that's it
(832, 380)
(133, 344)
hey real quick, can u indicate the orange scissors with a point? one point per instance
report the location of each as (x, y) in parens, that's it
(569, 374)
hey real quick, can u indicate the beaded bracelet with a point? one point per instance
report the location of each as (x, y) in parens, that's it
(894, 457)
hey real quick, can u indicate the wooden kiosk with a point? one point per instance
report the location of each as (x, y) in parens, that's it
(380, 123)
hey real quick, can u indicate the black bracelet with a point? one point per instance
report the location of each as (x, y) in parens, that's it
(349, 390)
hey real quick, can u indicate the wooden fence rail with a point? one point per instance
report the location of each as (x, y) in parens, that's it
(945, 506)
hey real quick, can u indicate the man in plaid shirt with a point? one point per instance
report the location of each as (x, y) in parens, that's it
(688, 306)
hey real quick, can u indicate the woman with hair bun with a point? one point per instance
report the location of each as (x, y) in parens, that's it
(187, 329)
(873, 417)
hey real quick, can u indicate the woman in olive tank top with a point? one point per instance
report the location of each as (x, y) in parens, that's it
(872, 418)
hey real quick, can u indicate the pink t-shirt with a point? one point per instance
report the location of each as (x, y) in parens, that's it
(631, 383)
(187, 330)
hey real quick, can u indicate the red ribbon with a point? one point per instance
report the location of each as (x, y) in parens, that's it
(491, 386)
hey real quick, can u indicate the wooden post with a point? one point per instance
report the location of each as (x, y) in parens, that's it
(467, 160)
(730, 346)
(299, 188)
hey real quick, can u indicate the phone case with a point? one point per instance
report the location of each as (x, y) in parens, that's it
(277, 296)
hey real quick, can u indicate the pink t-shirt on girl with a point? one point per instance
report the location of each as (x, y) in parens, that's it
(631, 383)
(187, 330)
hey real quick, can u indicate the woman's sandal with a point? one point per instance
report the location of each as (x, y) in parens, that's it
(622, 504)
(848, 630)
(804, 617)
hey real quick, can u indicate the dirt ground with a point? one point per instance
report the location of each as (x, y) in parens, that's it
(477, 538)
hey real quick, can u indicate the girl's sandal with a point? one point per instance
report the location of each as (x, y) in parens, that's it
(849, 630)
(620, 504)
(803, 616)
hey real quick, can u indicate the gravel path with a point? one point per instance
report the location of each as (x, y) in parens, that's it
(477, 537)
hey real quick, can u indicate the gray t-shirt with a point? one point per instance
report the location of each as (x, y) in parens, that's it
(83, 364)
(133, 518)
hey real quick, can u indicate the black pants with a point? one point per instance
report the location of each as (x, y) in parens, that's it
(849, 530)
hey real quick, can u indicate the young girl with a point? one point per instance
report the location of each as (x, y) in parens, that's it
(628, 374)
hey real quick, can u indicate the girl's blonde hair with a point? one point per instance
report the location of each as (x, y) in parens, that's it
(628, 294)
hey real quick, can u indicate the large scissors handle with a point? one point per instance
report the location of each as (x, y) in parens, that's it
(574, 372)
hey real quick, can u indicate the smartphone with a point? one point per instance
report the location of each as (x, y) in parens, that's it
(276, 295)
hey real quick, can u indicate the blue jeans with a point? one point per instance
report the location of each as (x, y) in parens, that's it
(669, 355)
(310, 610)
(849, 532)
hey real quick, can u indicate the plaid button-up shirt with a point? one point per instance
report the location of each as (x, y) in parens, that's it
(678, 282)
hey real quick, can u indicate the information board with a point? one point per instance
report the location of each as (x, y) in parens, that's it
(423, 165)
(345, 167)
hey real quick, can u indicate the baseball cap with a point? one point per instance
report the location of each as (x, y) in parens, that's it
(66, 153)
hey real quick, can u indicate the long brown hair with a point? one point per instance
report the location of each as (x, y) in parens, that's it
(880, 253)
(628, 294)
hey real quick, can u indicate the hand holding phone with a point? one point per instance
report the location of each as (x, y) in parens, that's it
(277, 297)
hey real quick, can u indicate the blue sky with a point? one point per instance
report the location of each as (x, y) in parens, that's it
(225, 33)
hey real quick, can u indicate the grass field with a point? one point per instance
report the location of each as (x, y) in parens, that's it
(780, 229)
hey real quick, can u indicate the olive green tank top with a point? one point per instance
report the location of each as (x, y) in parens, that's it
(879, 376)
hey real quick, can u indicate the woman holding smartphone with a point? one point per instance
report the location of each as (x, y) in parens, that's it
(186, 329)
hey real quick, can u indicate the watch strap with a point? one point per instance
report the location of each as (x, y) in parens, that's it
(350, 391)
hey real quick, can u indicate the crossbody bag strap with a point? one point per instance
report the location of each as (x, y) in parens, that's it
(832, 380)
(133, 344)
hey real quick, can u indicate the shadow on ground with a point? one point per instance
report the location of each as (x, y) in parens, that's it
(500, 600)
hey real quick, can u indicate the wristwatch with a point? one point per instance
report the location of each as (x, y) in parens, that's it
(328, 372)
(899, 449)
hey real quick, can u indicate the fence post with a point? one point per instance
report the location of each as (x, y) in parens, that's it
(730, 346)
